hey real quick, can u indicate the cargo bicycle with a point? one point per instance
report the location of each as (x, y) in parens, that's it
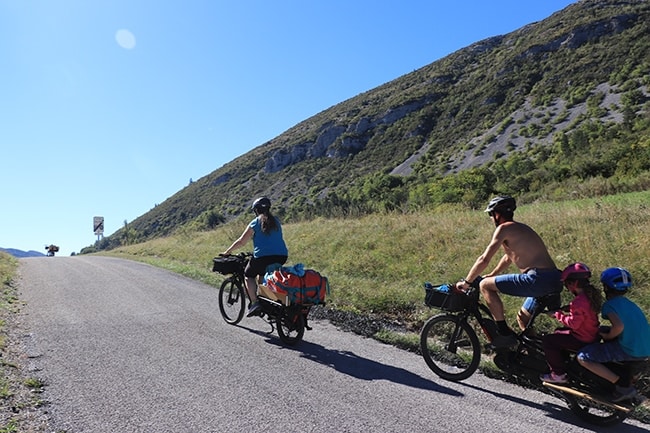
(289, 318)
(450, 345)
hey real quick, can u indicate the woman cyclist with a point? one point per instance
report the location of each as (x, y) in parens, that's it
(268, 247)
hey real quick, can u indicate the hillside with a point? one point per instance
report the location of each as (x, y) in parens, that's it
(554, 109)
(20, 253)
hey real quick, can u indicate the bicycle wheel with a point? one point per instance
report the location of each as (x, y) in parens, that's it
(594, 413)
(232, 301)
(291, 327)
(450, 347)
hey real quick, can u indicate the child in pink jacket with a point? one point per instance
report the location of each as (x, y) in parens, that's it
(580, 323)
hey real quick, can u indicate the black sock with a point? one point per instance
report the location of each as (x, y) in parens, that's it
(623, 382)
(503, 328)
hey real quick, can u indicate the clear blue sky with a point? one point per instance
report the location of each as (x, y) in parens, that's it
(109, 108)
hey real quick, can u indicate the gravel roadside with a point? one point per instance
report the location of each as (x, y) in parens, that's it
(21, 406)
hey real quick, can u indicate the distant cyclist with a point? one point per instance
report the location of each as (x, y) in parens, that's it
(524, 248)
(268, 247)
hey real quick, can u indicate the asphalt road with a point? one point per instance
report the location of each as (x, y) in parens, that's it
(126, 347)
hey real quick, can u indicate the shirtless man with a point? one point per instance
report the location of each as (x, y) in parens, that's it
(525, 249)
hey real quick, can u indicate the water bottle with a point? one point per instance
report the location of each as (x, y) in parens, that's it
(444, 288)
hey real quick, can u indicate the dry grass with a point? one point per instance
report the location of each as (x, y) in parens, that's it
(378, 263)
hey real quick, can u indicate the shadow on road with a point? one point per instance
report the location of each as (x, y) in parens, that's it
(349, 363)
(558, 411)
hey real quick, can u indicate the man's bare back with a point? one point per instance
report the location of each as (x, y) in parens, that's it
(523, 246)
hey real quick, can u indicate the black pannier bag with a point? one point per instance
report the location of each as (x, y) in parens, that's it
(227, 265)
(445, 297)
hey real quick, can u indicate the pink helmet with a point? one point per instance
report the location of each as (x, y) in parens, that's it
(576, 271)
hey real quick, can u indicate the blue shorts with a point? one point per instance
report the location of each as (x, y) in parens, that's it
(610, 351)
(531, 284)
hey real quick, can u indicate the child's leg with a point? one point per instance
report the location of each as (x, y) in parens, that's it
(595, 355)
(555, 346)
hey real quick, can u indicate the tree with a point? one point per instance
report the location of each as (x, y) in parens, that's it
(470, 187)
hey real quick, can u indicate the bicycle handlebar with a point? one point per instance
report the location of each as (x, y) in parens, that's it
(242, 255)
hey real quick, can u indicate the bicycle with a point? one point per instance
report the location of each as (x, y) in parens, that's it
(288, 318)
(451, 348)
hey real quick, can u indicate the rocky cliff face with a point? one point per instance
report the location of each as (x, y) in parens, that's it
(340, 140)
(336, 140)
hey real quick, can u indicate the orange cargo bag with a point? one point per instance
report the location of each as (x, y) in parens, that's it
(309, 288)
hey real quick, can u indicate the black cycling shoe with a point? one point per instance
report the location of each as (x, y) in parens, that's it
(623, 393)
(503, 341)
(254, 309)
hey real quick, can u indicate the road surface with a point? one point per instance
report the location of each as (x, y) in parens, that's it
(126, 347)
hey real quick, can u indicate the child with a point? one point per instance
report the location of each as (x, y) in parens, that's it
(581, 323)
(628, 339)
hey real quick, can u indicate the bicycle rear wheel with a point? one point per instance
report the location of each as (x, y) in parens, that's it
(291, 326)
(594, 413)
(232, 301)
(450, 347)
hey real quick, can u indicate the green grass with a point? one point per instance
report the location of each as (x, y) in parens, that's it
(12, 383)
(8, 267)
(377, 264)
(10, 427)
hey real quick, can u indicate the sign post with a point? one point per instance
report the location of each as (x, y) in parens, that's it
(98, 226)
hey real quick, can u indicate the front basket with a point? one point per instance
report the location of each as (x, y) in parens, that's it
(450, 300)
(227, 265)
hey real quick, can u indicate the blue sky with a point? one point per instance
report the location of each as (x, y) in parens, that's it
(110, 107)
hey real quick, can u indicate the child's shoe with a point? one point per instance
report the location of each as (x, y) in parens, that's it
(554, 378)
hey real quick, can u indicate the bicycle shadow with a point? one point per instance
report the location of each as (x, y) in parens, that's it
(347, 362)
(557, 411)
(351, 364)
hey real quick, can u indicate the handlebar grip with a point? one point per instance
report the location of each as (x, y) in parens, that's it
(476, 282)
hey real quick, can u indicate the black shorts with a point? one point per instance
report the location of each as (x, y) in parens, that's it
(257, 265)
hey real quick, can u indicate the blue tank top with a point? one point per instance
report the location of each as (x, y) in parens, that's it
(268, 244)
(635, 338)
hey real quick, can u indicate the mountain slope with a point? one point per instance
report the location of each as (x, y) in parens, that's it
(517, 97)
(19, 253)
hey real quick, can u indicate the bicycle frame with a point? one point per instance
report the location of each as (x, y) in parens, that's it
(449, 341)
(482, 314)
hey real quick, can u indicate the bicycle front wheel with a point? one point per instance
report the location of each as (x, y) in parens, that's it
(450, 347)
(232, 301)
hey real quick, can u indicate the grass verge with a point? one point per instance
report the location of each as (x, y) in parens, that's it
(19, 395)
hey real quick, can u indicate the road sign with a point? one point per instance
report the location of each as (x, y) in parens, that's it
(98, 225)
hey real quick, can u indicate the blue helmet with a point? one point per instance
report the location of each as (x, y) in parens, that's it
(618, 279)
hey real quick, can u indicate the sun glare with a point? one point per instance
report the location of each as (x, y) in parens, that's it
(125, 39)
